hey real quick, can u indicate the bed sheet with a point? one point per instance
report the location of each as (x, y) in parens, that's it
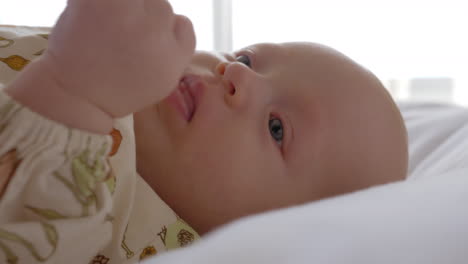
(421, 220)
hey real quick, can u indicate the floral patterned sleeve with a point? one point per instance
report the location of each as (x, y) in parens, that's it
(55, 199)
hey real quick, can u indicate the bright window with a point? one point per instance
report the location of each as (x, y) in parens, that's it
(409, 44)
(30, 12)
(201, 14)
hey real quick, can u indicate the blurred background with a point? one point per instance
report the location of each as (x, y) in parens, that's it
(418, 48)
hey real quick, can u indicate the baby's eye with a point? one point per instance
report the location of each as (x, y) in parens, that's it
(244, 59)
(276, 129)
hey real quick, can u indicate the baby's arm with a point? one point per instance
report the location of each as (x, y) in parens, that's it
(37, 89)
(106, 59)
(55, 204)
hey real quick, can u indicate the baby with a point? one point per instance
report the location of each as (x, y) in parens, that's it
(216, 137)
(269, 126)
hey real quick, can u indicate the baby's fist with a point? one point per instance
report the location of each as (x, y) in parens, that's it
(120, 55)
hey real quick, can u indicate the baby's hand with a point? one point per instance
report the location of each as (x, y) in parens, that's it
(120, 55)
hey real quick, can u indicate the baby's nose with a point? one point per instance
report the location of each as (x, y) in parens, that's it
(221, 68)
(239, 82)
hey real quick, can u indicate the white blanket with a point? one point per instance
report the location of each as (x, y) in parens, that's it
(421, 220)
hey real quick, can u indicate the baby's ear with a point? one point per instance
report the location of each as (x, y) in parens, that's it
(8, 164)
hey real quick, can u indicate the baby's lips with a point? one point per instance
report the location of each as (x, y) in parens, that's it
(184, 33)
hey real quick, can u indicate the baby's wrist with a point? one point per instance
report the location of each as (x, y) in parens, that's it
(36, 89)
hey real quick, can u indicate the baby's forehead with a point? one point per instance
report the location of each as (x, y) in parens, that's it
(304, 66)
(306, 55)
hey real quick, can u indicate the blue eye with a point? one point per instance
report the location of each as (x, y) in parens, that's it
(244, 59)
(276, 129)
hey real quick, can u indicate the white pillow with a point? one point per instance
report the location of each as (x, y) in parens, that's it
(438, 138)
(421, 220)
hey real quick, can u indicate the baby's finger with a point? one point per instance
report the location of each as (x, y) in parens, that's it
(184, 34)
(159, 9)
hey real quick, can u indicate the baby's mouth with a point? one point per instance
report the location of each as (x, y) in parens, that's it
(186, 97)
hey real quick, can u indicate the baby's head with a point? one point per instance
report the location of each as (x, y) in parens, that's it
(270, 126)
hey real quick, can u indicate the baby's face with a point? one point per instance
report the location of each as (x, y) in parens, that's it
(270, 126)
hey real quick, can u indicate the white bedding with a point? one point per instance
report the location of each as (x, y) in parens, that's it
(421, 220)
